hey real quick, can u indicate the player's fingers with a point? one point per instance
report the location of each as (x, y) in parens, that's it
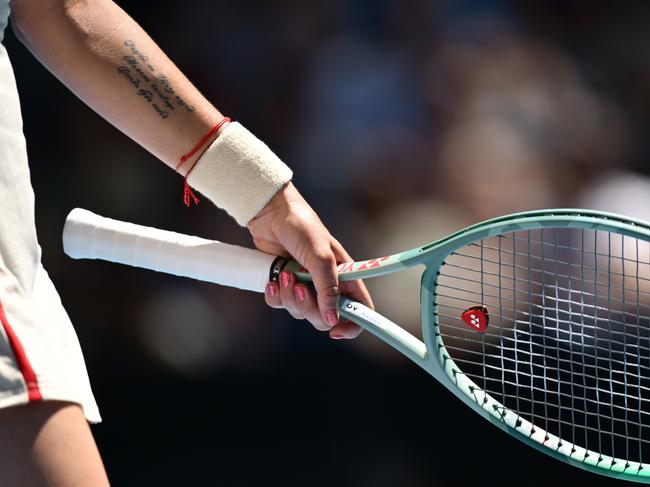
(354, 289)
(272, 295)
(287, 296)
(339, 251)
(345, 330)
(357, 290)
(322, 267)
(308, 305)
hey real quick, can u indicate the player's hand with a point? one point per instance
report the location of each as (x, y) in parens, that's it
(287, 226)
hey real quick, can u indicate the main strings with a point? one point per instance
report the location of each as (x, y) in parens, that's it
(567, 346)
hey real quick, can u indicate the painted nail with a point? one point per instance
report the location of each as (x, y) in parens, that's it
(284, 279)
(338, 337)
(271, 289)
(300, 293)
(332, 318)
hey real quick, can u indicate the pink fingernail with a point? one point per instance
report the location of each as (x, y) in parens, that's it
(338, 337)
(332, 318)
(284, 279)
(271, 289)
(300, 293)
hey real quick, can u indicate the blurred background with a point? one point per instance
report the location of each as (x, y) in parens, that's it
(403, 121)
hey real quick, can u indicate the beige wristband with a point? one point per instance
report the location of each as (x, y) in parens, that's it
(239, 173)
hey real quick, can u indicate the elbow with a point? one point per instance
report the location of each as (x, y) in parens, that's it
(29, 15)
(18, 31)
(24, 14)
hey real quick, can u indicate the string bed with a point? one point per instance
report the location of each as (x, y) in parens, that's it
(567, 346)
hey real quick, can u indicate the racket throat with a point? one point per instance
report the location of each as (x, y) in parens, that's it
(384, 329)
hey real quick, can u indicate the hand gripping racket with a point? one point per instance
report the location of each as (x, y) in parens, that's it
(538, 321)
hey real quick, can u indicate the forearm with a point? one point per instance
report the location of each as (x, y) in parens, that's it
(104, 57)
(112, 64)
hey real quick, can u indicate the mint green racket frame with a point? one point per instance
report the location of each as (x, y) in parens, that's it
(431, 353)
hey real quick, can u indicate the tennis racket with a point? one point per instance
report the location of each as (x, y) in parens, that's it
(538, 321)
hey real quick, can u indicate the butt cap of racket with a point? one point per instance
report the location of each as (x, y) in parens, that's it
(77, 233)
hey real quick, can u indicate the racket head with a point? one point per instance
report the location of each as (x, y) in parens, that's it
(553, 323)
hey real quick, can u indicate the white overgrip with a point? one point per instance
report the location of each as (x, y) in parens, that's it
(90, 236)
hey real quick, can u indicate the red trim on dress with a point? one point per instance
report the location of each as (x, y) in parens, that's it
(33, 391)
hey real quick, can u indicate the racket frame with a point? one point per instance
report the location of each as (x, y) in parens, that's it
(431, 354)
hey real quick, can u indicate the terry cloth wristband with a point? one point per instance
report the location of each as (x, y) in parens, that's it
(239, 173)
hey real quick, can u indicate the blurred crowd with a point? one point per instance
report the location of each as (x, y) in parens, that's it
(402, 120)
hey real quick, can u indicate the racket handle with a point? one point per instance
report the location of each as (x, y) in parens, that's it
(90, 236)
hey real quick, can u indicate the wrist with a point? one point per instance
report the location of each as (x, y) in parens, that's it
(239, 173)
(279, 201)
(189, 160)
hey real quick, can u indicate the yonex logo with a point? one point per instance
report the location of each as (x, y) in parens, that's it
(476, 318)
(475, 321)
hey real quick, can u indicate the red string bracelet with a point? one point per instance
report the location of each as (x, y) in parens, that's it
(187, 191)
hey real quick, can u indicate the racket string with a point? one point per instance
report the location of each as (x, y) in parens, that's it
(566, 327)
(582, 279)
(568, 342)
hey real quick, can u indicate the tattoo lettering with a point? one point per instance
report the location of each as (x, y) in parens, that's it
(133, 62)
(137, 70)
(167, 86)
(160, 111)
(183, 104)
(147, 95)
(136, 52)
(126, 72)
(163, 97)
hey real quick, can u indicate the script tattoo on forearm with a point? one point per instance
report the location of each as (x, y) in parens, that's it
(167, 86)
(150, 84)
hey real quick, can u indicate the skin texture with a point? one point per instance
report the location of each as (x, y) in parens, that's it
(104, 57)
(288, 226)
(48, 444)
(109, 62)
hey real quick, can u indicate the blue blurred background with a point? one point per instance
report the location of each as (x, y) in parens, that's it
(403, 121)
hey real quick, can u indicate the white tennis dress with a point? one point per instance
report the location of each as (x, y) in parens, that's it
(40, 356)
